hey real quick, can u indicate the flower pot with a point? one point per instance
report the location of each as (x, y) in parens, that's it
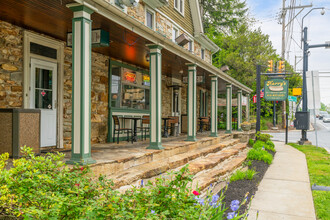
(253, 126)
(246, 127)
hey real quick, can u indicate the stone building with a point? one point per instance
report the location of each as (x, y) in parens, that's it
(82, 61)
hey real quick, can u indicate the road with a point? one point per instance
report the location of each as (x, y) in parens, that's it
(323, 135)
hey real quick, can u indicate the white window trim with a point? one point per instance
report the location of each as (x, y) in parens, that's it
(146, 8)
(202, 57)
(175, 28)
(59, 46)
(177, 9)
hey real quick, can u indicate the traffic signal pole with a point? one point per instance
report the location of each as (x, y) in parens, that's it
(258, 98)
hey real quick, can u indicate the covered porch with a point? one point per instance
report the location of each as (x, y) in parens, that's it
(85, 91)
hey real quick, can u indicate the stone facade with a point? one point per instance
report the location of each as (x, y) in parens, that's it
(11, 66)
(164, 26)
(99, 98)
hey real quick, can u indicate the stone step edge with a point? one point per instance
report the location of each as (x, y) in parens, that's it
(152, 152)
(208, 178)
(137, 182)
(122, 179)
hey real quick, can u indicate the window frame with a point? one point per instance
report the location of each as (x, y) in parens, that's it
(152, 12)
(202, 53)
(177, 33)
(178, 6)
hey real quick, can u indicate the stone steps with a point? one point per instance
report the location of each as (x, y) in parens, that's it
(155, 168)
(172, 149)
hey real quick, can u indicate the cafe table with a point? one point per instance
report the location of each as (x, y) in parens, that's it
(135, 119)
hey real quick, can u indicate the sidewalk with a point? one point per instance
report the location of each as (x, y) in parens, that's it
(285, 192)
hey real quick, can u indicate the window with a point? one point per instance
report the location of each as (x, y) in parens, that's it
(150, 19)
(190, 46)
(129, 89)
(179, 6)
(175, 33)
(202, 53)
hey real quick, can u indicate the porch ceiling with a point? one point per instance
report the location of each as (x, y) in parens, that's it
(54, 19)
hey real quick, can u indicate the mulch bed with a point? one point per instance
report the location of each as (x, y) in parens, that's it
(238, 189)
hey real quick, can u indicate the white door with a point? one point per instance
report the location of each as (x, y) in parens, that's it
(43, 96)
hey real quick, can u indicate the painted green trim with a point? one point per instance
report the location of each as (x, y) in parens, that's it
(130, 110)
(206, 104)
(229, 109)
(155, 146)
(191, 138)
(192, 113)
(214, 107)
(156, 57)
(82, 8)
(154, 46)
(201, 112)
(125, 65)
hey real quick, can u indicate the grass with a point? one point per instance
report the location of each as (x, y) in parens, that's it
(318, 162)
(243, 175)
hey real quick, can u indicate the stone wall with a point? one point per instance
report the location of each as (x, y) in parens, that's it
(99, 97)
(11, 66)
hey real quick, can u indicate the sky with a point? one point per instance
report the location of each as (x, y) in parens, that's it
(267, 13)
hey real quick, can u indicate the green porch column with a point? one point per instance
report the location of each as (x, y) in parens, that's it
(229, 109)
(81, 84)
(155, 97)
(247, 112)
(214, 106)
(192, 118)
(239, 110)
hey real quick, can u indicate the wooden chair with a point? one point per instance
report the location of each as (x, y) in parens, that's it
(173, 122)
(204, 124)
(145, 129)
(118, 129)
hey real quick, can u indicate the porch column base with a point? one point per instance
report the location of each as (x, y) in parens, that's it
(155, 146)
(213, 135)
(228, 132)
(81, 161)
(191, 138)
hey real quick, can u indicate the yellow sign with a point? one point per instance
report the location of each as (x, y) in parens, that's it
(296, 91)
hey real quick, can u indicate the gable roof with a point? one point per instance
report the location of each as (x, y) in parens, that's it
(198, 27)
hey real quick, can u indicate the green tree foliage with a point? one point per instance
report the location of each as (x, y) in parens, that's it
(223, 14)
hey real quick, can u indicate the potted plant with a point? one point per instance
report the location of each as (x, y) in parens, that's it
(253, 123)
(246, 126)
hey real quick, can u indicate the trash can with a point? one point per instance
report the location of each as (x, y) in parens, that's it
(19, 127)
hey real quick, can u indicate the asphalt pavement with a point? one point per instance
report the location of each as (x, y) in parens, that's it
(323, 132)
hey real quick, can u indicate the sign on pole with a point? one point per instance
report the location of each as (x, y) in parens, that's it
(292, 98)
(276, 90)
(296, 91)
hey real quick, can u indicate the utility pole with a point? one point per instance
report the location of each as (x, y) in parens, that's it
(283, 58)
(284, 10)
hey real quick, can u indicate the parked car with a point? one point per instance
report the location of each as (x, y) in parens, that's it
(322, 113)
(326, 118)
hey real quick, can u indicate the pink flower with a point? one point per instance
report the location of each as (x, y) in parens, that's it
(77, 184)
(81, 168)
(195, 193)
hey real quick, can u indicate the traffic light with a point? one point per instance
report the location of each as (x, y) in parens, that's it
(270, 66)
(281, 66)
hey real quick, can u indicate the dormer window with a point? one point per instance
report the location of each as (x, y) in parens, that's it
(179, 6)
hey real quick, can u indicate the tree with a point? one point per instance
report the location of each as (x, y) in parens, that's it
(223, 15)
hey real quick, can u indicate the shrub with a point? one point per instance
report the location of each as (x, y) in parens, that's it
(263, 137)
(259, 154)
(43, 187)
(241, 175)
(262, 145)
(270, 143)
(251, 142)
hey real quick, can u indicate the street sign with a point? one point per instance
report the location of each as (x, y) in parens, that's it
(276, 90)
(296, 91)
(292, 98)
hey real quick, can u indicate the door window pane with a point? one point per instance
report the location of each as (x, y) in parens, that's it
(43, 88)
(115, 86)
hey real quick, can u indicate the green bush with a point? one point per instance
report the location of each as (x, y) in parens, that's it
(263, 137)
(259, 154)
(251, 142)
(43, 187)
(270, 143)
(241, 175)
(262, 145)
